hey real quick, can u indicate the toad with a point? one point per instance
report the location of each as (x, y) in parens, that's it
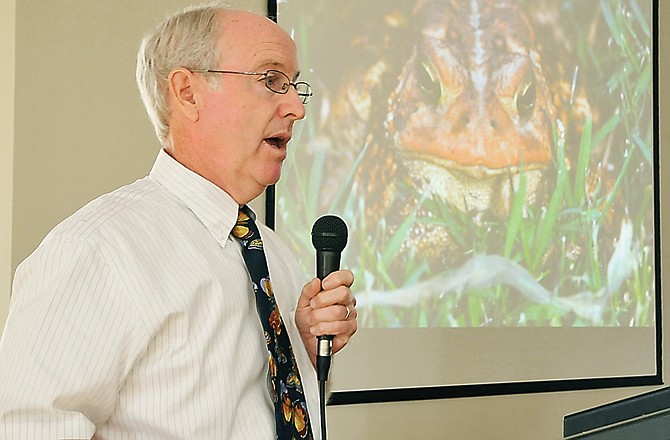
(472, 111)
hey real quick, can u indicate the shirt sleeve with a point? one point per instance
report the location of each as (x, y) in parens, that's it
(71, 337)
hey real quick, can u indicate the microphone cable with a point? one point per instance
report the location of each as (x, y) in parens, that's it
(322, 398)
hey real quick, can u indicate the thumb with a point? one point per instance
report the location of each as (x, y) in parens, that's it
(309, 291)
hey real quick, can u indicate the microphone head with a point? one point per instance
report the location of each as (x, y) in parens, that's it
(329, 233)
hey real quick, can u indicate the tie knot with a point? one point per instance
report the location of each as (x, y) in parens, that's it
(244, 227)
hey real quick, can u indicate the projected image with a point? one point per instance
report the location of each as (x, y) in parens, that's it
(493, 159)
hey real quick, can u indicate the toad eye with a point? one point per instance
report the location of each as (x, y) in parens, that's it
(429, 82)
(525, 99)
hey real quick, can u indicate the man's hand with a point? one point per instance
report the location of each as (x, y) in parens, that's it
(327, 308)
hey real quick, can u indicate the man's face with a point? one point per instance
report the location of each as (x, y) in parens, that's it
(243, 128)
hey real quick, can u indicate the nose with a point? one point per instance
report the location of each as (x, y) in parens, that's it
(292, 105)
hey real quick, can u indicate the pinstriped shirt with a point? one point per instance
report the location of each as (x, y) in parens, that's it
(135, 319)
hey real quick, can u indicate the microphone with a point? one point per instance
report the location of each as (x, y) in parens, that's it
(329, 237)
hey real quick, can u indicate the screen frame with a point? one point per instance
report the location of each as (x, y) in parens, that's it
(401, 394)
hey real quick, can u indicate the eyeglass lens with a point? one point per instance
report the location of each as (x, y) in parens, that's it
(278, 82)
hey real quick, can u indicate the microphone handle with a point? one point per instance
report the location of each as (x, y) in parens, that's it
(326, 262)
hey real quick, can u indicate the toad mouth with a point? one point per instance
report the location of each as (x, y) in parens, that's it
(474, 171)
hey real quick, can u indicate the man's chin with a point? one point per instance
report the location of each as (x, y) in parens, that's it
(271, 178)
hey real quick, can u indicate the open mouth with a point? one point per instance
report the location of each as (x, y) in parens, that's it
(276, 141)
(279, 140)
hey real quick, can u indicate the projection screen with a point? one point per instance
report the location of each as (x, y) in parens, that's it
(496, 162)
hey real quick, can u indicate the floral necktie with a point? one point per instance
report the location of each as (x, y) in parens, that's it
(291, 416)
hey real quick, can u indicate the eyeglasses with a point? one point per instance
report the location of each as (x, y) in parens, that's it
(275, 80)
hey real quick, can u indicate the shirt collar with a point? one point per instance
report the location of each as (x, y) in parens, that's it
(214, 207)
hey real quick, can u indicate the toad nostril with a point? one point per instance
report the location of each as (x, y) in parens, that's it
(461, 123)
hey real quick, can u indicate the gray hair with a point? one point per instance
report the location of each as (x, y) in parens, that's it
(185, 39)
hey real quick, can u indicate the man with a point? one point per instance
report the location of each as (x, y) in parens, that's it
(135, 318)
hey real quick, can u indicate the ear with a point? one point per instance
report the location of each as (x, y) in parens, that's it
(182, 93)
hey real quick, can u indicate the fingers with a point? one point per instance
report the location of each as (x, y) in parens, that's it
(338, 278)
(339, 296)
(335, 314)
(335, 290)
(328, 307)
(309, 291)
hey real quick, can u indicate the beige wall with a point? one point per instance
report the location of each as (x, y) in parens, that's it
(7, 33)
(73, 128)
(80, 126)
(81, 129)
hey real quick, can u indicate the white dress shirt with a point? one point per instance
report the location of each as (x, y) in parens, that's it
(135, 319)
